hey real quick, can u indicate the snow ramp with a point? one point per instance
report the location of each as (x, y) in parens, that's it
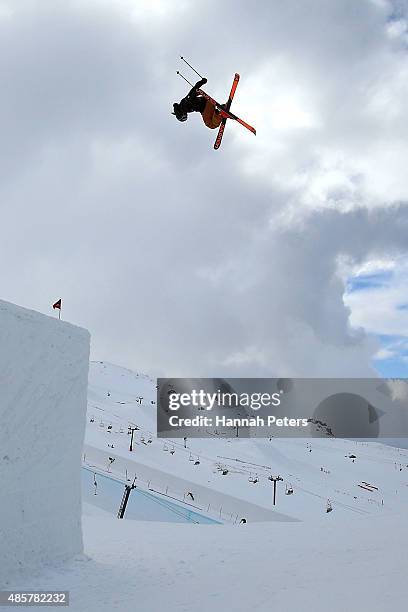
(43, 382)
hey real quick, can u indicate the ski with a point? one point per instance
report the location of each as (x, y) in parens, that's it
(227, 114)
(220, 134)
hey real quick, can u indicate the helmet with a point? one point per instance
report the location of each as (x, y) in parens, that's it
(180, 114)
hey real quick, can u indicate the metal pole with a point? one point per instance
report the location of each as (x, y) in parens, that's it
(132, 429)
(186, 62)
(183, 77)
(274, 479)
(125, 498)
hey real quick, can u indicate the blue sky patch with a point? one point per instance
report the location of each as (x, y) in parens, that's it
(395, 366)
(369, 281)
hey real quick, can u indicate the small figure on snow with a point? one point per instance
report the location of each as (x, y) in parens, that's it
(194, 101)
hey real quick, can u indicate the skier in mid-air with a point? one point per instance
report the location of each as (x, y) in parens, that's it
(214, 114)
(194, 101)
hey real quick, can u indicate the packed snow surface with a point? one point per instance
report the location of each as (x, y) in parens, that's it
(43, 373)
(289, 557)
(287, 567)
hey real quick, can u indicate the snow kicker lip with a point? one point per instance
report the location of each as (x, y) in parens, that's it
(265, 407)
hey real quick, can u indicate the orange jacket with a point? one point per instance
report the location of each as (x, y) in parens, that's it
(211, 116)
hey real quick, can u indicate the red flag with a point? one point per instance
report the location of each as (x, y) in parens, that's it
(57, 304)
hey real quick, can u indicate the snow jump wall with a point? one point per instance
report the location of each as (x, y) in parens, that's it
(43, 389)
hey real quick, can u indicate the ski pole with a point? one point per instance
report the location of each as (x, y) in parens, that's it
(183, 77)
(185, 61)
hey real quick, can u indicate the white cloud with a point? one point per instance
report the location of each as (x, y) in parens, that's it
(185, 260)
(383, 309)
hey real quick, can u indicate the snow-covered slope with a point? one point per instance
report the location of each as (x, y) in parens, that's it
(317, 563)
(286, 567)
(230, 476)
(43, 375)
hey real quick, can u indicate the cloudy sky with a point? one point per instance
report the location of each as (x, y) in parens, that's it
(280, 254)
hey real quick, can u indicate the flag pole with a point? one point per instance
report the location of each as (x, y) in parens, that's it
(58, 306)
